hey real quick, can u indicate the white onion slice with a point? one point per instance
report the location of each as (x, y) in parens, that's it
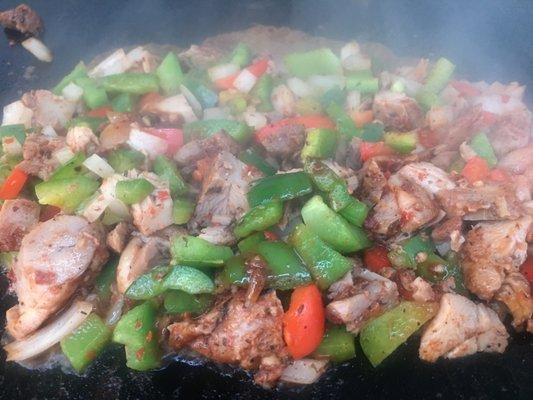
(350, 49)
(17, 113)
(118, 208)
(353, 100)
(115, 312)
(49, 131)
(51, 334)
(152, 145)
(245, 81)
(11, 146)
(304, 371)
(96, 207)
(63, 155)
(325, 82)
(193, 101)
(177, 104)
(299, 87)
(255, 119)
(99, 166)
(115, 63)
(222, 71)
(72, 92)
(38, 49)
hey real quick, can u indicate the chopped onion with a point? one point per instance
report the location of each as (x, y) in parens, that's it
(193, 101)
(38, 49)
(118, 208)
(325, 82)
(357, 63)
(350, 49)
(115, 63)
(109, 184)
(49, 131)
(72, 92)
(255, 119)
(115, 312)
(283, 100)
(11, 146)
(63, 155)
(152, 145)
(353, 100)
(17, 113)
(304, 371)
(99, 166)
(222, 71)
(299, 87)
(215, 113)
(177, 104)
(245, 81)
(96, 207)
(51, 334)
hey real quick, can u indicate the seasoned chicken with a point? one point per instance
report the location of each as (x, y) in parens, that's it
(54, 259)
(22, 19)
(17, 218)
(426, 175)
(116, 239)
(515, 293)
(467, 124)
(82, 138)
(373, 182)
(511, 132)
(37, 154)
(285, 142)
(517, 161)
(461, 328)
(210, 147)
(49, 109)
(397, 111)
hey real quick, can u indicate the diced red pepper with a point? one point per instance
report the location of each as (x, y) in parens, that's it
(227, 82)
(376, 258)
(498, 175)
(368, 150)
(13, 184)
(428, 138)
(476, 169)
(100, 112)
(527, 269)
(308, 121)
(465, 88)
(173, 137)
(259, 67)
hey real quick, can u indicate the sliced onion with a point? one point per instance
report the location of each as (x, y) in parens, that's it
(222, 71)
(304, 371)
(349, 50)
(109, 184)
(99, 166)
(255, 119)
(119, 209)
(38, 49)
(299, 87)
(215, 113)
(17, 113)
(51, 334)
(353, 100)
(72, 92)
(11, 146)
(152, 145)
(193, 101)
(96, 207)
(115, 63)
(49, 131)
(177, 104)
(63, 155)
(245, 81)
(115, 312)
(325, 82)
(356, 63)
(283, 100)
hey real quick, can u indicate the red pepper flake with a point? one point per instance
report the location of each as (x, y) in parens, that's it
(90, 355)
(271, 236)
(149, 336)
(163, 195)
(139, 354)
(138, 324)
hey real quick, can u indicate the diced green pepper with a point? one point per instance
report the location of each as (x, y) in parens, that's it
(428, 99)
(334, 95)
(94, 96)
(197, 252)
(241, 55)
(402, 142)
(66, 194)
(315, 62)
(79, 71)
(319, 143)
(133, 191)
(259, 218)
(338, 345)
(373, 132)
(280, 187)
(238, 105)
(123, 160)
(326, 180)
(179, 302)
(206, 128)
(355, 212)
(234, 272)
(105, 279)
(363, 82)
(86, 342)
(250, 157)
(188, 279)
(70, 169)
(435, 269)
(262, 91)
(203, 94)
(131, 82)
(123, 102)
(182, 211)
(381, 336)
(148, 285)
(345, 124)
(480, 143)
(169, 74)
(250, 243)
(325, 264)
(405, 254)
(308, 106)
(17, 131)
(332, 228)
(339, 198)
(167, 171)
(285, 269)
(439, 76)
(137, 331)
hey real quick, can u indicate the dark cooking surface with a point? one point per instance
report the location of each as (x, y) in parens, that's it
(490, 40)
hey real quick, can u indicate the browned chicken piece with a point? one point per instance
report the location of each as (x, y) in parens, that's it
(82, 139)
(414, 288)
(466, 125)
(491, 251)
(397, 111)
(210, 147)
(517, 161)
(444, 231)
(22, 19)
(114, 135)
(487, 202)
(118, 237)
(17, 218)
(511, 132)
(200, 56)
(444, 158)
(416, 207)
(515, 293)
(54, 259)
(461, 328)
(384, 219)
(222, 200)
(427, 176)
(48, 109)
(367, 296)
(37, 154)
(372, 182)
(286, 142)
(251, 337)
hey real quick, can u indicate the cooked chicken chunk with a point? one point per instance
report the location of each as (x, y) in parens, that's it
(511, 132)
(49, 109)
(82, 138)
(285, 142)
(373, 182)
(17, 218)
(54, 259)
(517, 161)
(429, 177)
(397, 111)
(515, 293)
(37, 153)
(210, 147)
(117, 238)
(464, 126)
(461, 328)
(22, 19)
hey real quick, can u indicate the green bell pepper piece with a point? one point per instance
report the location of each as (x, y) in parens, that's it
(404, 255)
(326, 180)
(332, 228)
(403, 143)
(262, 91)
(355, 212)
(428, 99)
(131, 82)
(133, 191)
(94, 95)
(315, 62)
(285, 268)
(95, 123)
(182, 211)
(188, 279)
(206, 128)
(167, 171)
(197, 252)
(66, 194)
(18, 131)
(480, 143)
(435, 269)
(439, 76)
(250, 157)
(170, 74)
(123, 160)
(280, 187)
(325, 264)
(123, 103)
(148, 285)
(250, 243)
(373, 132)
(308, 106)
(338, 345)
(238, 105)
(334, 95)
(241, 55)
(234, 272)
(79, 71)
(86, 342)
(137, 331)
(259, 218)
(381, 336)
(319, 143)
(345, 124)
(362, 81)
(179, 302)
(207, 97)
(105, 279)
(70, 169)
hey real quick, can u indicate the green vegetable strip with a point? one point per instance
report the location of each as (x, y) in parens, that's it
(338, 345)
(134, 190)
(167, 171)
(250, 243)
(234, 272)
(363, 82)
(182, 211)
(179, 302)
(70, 169)
(197, 252)
(17, 131)
(259, 218)
(105, 279)
(319, 143)
(94, 95)
(123, 103)
(123, 160)
(480, 143)
(94, 123)
(169, 74)
(131, 82)
(404, 255)
(280, 187)
(439, 76)
(262, 91)
(241, 55)
(315, 62)
(402, 142)
(66, 194)
(250, 157)
(355, 212)
(206, 128)
(79, 71)
(345, 124)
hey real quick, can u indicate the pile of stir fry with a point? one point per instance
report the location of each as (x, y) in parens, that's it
(265, 212)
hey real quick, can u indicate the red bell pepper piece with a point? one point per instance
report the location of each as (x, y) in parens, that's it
(308, 121)
(13, 184)
(259, 67)
(376, 258)
(227, 82)
(498, 175)
(368, 150)
(527, 269)
(428, 138)
(100, 112)
(476, 169)
(173, 137)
